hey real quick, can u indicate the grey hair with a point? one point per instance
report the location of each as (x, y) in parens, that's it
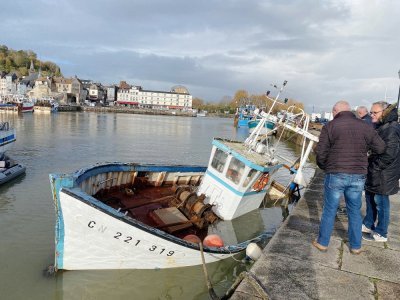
(382, 104)
(341, 105)
(362, 108)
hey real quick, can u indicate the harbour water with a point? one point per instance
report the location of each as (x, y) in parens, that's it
(67, 141)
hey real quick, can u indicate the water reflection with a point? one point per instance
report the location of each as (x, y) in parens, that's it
(6, 196)
(183, 283)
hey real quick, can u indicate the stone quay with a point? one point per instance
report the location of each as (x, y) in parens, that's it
(291, 268)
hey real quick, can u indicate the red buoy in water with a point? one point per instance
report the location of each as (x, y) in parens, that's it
(213, 240)
(192, 238)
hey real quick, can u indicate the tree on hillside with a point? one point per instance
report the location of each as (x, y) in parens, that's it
(49, 69)
(19, 62)
(3, 49)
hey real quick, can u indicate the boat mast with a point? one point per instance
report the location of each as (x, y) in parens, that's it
(251, 141)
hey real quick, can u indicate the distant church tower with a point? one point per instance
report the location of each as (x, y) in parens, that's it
(31, 69)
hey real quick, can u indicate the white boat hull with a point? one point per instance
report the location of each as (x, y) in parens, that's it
(93, 239)
(7, 137)
(25, 107)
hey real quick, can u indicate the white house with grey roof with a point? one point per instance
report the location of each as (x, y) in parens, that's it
(134, 96)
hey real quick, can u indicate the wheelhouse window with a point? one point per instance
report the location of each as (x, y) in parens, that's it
(219, 160)
(249, 177)
(235, 170)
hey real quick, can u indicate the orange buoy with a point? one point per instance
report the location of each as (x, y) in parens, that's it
(213, 240)
(192, 238)
(261, 182)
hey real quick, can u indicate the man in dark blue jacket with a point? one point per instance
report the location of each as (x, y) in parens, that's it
(362, 113)
(383, 172)
(342, 153)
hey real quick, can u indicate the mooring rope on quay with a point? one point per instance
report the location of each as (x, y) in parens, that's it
(291, 268)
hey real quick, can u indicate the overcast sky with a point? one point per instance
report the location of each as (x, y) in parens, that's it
(326, 50)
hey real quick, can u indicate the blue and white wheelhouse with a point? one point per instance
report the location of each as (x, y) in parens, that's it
(232, 172)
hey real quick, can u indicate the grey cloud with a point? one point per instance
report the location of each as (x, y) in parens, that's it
(326, 49)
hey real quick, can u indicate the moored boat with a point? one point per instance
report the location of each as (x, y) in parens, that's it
(243, 115)
(7, 136)
(25, 106)
(46, 105)
(201, 113)
(9, 169)
(268, 126)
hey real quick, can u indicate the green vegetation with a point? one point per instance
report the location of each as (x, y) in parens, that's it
(242, 97)
(20, 61)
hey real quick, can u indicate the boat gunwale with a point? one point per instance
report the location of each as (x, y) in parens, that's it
(84, 173)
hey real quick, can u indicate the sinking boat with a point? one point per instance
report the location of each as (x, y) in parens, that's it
(143, 216)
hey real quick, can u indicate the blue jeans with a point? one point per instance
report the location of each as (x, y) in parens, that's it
(336, 185)
(377, 206)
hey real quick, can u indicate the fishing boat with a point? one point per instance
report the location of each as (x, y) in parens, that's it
(54, 106)
(243, 115)
(268, 125)
(143, 216)
(8, 107)
(46, 105)
(25, 106)
(9, 169)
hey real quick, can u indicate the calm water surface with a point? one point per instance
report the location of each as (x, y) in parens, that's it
(65, 142)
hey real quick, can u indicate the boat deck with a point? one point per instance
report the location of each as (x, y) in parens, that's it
(244, 151)
(152, 206)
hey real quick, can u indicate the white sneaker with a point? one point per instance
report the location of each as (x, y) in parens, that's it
(365, 229)
(378, 238)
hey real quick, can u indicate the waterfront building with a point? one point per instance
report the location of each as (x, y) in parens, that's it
(8, 84)
(315, 116)
(328, 116)
(71, 90)
(96, 92)
(26, 83)
(111, 94)
(135, 96)
(77, 91)
(45, 87)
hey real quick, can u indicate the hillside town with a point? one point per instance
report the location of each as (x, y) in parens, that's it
(77, 91)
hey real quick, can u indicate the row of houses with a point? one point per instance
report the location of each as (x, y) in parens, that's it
(77, 91)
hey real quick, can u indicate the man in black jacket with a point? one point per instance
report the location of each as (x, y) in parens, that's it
(383, 172)
(342, 153)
